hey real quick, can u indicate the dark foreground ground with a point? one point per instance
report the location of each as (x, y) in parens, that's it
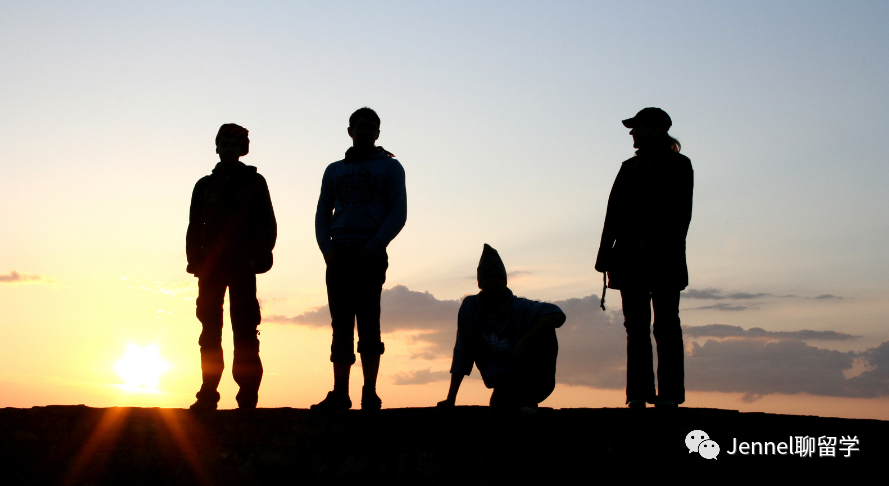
(468, 445)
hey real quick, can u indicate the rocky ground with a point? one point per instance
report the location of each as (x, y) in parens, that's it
(467, 445)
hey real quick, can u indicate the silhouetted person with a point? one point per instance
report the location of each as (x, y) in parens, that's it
(231, 234)
(511, 340)
(643, 252)
(366, 195)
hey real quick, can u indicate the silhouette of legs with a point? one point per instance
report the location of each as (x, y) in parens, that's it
(245, 317)
(353, 291)
(533, 378)
(637, 306)
(670, 349)
(211, 292)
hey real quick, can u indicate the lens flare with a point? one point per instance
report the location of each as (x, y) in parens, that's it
(141, 368)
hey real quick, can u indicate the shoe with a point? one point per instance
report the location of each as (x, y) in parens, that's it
(369, 400)
(335, 401)
(636, 404)
(528, 410)
(247, 401)
(202, 404)
(664, 403)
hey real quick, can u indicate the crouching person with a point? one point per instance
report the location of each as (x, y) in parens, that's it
(511, 340)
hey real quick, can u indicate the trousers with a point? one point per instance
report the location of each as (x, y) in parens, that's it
(637, 306)
(245, 317)
(354, 286)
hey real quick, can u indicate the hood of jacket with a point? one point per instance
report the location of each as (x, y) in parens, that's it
(234, 169)
(357, 155)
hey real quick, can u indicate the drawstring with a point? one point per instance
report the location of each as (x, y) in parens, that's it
(604, 288)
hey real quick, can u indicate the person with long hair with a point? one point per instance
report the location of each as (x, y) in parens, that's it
(642, 252)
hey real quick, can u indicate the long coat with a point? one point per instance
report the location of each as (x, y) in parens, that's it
(649, 210)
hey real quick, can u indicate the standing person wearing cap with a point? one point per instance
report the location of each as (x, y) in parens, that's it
(231, 234)
(362, 207)
(511, 340)
(642, 251)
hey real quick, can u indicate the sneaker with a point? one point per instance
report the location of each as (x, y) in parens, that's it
(664, 403)
(370, 400)
(636, 404)
(203, 404)
(335, 401)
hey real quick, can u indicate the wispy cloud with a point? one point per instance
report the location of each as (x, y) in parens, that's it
(184, 289)
(716, 294)
(420, 377)
(726, 330)
(14, 277)
(724, 307)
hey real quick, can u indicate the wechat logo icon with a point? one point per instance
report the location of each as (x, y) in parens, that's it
(698, 441)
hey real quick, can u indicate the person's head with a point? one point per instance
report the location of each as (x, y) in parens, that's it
(491, 272)
(650, 128)
(232, 142)
(364, 127)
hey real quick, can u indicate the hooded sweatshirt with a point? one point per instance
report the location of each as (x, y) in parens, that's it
(363, 201)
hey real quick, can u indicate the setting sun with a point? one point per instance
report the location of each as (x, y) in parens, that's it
(141, 367)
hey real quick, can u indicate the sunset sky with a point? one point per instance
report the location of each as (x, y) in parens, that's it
(506, 118)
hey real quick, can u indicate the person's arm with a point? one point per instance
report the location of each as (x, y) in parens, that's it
(396, 203)
(609, 228)
(456, 380)
(461, 364)
(546, 322)
(266, 227)
(323, 212)
(195, 228)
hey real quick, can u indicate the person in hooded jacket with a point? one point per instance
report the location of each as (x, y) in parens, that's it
(231, 234)
(642, 251)
(361, 208)
(511, 340)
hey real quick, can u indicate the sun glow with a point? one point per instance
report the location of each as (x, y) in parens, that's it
(140, 368)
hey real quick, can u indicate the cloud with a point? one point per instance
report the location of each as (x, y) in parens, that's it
(725, 331)
(184, 289)
(757, 368)
(592, 350)
(420, 377)
(724, 307)
(14, 277)
(716, 294)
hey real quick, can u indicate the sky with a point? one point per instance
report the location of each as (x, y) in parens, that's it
(506, 118)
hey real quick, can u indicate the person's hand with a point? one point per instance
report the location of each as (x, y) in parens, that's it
(331, 258)
(446, 403)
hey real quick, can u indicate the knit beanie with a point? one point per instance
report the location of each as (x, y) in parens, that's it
(490, 265)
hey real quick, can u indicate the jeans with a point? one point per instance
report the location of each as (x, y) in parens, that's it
(637, 306)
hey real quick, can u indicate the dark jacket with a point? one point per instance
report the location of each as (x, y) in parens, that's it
(649, 210)
(231, 221)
